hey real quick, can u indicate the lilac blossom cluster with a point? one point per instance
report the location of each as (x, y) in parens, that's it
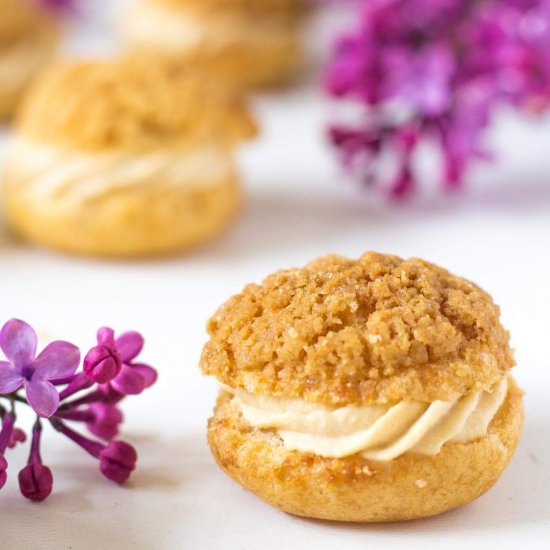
(51, 384)
(435, 70)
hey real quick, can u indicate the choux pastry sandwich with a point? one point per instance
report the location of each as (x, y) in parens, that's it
(250, 43)
(366, 390)
(119, 158)
(28, 40)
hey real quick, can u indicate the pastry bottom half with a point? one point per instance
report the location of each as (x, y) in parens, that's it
(142, 220)
(357, 489)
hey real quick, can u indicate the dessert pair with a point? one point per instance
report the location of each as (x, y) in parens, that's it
(368, 390)
(134, 156)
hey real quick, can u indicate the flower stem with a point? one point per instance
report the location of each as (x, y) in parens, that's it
(14, 397)
(77, 416)
(78, 383)
(90, 446)
(63, 381)
(8, 423)
(34, 455)
(88, 398)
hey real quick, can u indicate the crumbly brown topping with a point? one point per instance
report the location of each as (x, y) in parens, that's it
(125, 103)
(375, 330)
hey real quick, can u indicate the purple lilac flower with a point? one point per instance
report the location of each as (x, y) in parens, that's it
(436, 69)
(35, 479)
(110, 373)
(128, 377)
(58, 360)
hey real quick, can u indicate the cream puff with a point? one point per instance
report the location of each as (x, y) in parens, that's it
(119, 158)
(28, 40)
(249, 43)
(366, 390)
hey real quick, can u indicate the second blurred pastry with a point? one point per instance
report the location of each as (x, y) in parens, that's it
(118, 158)
(252, 43)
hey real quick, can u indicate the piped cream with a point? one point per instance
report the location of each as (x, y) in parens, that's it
(377, 432)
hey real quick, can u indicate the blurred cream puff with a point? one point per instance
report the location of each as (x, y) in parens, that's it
(28, 40)
(119, 158)
(252, 43)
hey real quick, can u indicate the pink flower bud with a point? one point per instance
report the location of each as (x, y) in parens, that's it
(117, 461)
(17, 436)
(105, 421)
(102, 363)
(35, 481)
(108, 395)
(3, 468)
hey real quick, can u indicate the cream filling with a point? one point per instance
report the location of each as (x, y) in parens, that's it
(69, 177)
(170, 30)
(377, 432)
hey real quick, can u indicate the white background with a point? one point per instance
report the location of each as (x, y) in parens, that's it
(497, 233)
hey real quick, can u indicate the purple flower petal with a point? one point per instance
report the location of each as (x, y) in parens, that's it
(18, 342)
(149, 374)
(58, 360)
(129, 344)
(42, 397)
(10, 379)
(129, 381)
(106, 336)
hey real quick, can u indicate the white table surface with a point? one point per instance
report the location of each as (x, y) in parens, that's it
(497, 233)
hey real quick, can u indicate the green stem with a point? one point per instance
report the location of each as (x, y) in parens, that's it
(11, 397)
